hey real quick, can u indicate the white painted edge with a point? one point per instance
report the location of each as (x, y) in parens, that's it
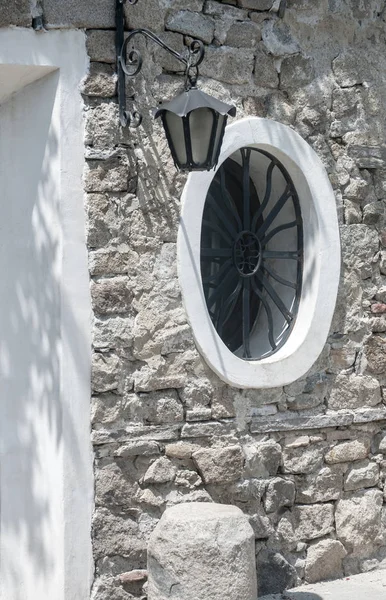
(321, 259)
(66, 51)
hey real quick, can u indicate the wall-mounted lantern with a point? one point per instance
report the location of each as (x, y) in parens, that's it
(194, 122)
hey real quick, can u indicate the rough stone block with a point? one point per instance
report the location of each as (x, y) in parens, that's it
(280, 492)
(105, 408)
(262, 460)
(100, 45)
(201, 550)
(265, 74)
(275, 573)
(15, 12)
(361, 475)
(278, 39)
(359, 245)
(303, 460)
(313, 521)
(105, 372)
(228, 65)
(349, 68)
(353, 391)
(193, 24)
(101, 81)
(219, 465)
(375, 353)
(149, 14)
(244, 34)
(347, 452)
(99, 14)
(358, 521)
(324, 561)
(296, 71)
(368, 157)
(225, 11)
(160, 471)
(110, 175)
(111, 296)
(118, 535)
(257, 4)
(322, 486)
(155, 408)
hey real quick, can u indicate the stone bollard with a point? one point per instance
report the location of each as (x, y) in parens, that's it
(202, 551)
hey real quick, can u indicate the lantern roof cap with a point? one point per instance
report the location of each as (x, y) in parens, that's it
(193, 99)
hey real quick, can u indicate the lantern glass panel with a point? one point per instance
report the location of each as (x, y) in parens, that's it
(175, 126)
(222, 119)
(200, 125)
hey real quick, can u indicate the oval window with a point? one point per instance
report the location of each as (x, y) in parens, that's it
(259, 256)
(252, 253)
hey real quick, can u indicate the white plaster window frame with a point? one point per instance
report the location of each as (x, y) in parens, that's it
(321, 269)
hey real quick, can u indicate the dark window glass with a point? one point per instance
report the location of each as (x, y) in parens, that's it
(251, 253)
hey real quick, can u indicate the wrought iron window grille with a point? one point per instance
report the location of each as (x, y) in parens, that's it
(238, 263)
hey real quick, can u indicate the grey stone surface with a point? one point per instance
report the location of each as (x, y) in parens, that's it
(101, 81)
(244, 34)
(16, 12)
(191, 549)
(100, 14)
(358, 521)
(190, 23)
(324, 485)
(165, 429)
(313, 521)
(217, 465)
(227, 65)
(324, 561)
(279, 493)
(361, 475)
(262, 460)
(275, 573)
(347, 452)
(353, 391)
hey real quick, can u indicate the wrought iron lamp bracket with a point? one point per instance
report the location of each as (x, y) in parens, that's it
(129, 63)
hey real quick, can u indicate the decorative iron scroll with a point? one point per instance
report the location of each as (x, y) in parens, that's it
(239, 253)
(130, 61)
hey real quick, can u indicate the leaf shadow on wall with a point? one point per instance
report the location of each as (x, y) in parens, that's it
(31, 409)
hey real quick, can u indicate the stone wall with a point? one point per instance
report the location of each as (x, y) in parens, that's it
(305, 462)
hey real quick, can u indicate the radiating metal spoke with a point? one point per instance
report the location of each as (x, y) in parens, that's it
(267, 195)
(220, 213)
(222, 270)
(216, 252)
(229, 199)
(245, 156)
(275, 211)
(227, 308)
(296, 255)
(272, 233)
(275, 298)
(222, 286)
(246, 318)
(218, 230)
(278, 278)
(268, 311)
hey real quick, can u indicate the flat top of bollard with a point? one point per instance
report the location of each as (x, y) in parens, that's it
(203, 510)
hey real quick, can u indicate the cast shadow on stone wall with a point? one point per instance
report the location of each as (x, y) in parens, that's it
(31, 413)
(300, 596)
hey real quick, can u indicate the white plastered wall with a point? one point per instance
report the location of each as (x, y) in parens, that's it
(46, 485)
